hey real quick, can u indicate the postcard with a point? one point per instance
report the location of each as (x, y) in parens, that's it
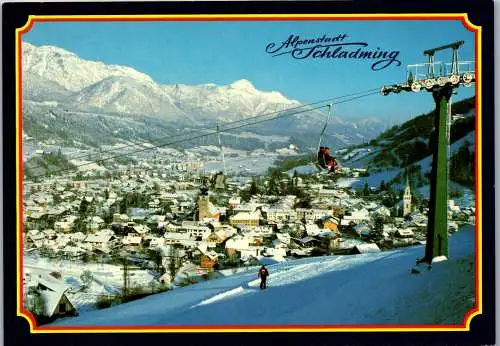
(182, 169)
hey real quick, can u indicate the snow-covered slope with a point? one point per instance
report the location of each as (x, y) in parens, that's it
(374, 288)
(231, 102)
(125, 95)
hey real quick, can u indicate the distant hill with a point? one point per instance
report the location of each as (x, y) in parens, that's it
(408, 143)
(405, 148)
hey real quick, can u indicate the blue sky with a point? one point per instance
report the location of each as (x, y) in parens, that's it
(223, 52)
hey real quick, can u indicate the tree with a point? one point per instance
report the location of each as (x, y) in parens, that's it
(366, 189)
(79, 225)
(35, 303)
(84, 206)
(56, 198)
(86, 278)
(157, 258)
(253, 188)
(173, 265)
(154, 285)
(378, 228)
(382, 185)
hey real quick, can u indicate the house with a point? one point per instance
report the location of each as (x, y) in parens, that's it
(308, 241)
(209, 260)
(278, 214)
(195, 230)
(72, 252)
(453, 207)
(77, 237)
(35, 236)
(283, 237)
(404, 233)
(94, 223)
(236, 243)
(278, 244)
(132, 239)
(365, 248)
(311, 214)
(382, 211)
(312, 229)
(57, 304)
(120, 217)
(326, 193)
(362, 230)
(419, 220)
(277, 252)
(175, 238)
(61, 226)
(251, 251)
(244, 218)
(99, 239)
(357, 216)
(234, 201)
(216, 237)
(53, 293)
(331, 223)
(452, 226)
(155, 242)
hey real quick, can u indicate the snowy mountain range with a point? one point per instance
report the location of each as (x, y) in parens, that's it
(71, 86)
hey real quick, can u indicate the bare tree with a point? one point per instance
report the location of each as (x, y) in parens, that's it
(86, 278)
(174, 262)
(35, 303)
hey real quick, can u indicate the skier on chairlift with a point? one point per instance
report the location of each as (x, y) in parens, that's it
(326, 161)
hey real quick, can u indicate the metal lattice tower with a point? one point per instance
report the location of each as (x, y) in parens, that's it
(441, 86)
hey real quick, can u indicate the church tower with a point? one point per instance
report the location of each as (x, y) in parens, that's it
(407, 198)
(204, 205)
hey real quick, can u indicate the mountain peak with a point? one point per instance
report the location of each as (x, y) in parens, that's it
(242, 84)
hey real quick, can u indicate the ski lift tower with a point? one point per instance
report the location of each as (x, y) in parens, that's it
(441, 85)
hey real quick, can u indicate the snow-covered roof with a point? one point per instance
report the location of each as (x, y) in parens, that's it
(51, 283)
(98, 238)
(132, 240)
(245, 216)
(212, 254)
(176, 236)
(367, 248)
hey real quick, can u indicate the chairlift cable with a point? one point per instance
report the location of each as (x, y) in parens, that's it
(221, 150)
(211, 128)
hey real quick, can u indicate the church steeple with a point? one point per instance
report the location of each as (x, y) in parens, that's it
(407, 197)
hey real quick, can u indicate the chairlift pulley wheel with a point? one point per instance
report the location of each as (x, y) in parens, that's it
(454, 79)
(467, 78)
(415, 87)
(441, 81)
(429, 83)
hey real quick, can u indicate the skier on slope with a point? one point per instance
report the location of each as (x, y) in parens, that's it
(263, 274)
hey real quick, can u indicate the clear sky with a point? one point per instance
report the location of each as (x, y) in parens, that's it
(223, 52)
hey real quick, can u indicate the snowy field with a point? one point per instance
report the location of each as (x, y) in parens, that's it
(366, 289)
(107, 279)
